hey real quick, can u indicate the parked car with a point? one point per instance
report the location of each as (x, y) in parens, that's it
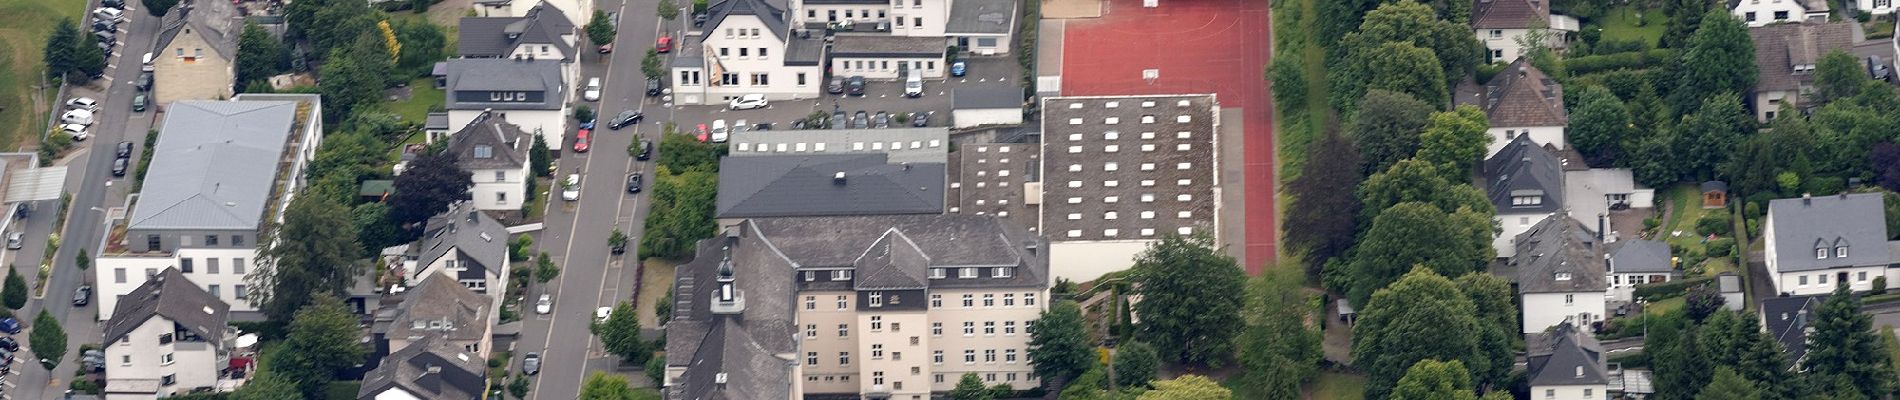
(104, 25)
(81, 117)
(646, 150)
(601, 314)
(571, 189)
(835, 85)
(581, 141)
(881, 121)
(959, 67)
(654, 87)
(854, 85)
(606, 48)
(531, 364)
(762, 126)
(7, 343)
(700, 133)
(591, 92)
(699, 19)
(664, 44)
(1879, 68)
(838, 121)
(720, 131)
(77, 131)
(748, 102)
(633, 182)
(798, 124)
(15, 240)
(119, 165)
(138, 103)
(124, 150)
(22, 211)
(82, 296)
(82, 103)
(861, 120)
(106, 36)
(919, 119)
(110, 14)
(625, 118)
(145, 82)
(11, 326)
(544, 305)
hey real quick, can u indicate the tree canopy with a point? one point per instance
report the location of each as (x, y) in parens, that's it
(1322, 205)
(1844, 344)
(1417, 234)
(1180, 281)
(322, 340)
(1279, 349)
(1187, 387)
(1404, 68)
(1422, 316)
(1386, 128)
(1435, 380)
(314, 252)
(1720, 59)
(1455, 142)
(259, 56)
(432, 181)
(621, 334)
(1136, 364)
(1059, 346)
(1599, 124)
(603, 386)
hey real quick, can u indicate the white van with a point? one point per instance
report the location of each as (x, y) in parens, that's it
(914, 85)
(108, 14)
(719, 132)
(81, 117)
(592, 91)
(147, 66)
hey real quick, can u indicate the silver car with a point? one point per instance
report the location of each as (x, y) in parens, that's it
(15, 240)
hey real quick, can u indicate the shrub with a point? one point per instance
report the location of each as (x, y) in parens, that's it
(1721, 247)
(1754, 227)
(1486, 71)
(1651, 223)
(522, 248)
(1714, 223)
(1658, 291)
(1880, 285)
(1607, 62)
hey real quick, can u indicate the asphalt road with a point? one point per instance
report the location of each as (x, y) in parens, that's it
(576, 232)
(87, 179)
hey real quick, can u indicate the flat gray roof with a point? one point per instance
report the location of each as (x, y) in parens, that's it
(887, 46)
(970, 98)
(215, 164)
(805, 186)
(912, 145)
(981, 17)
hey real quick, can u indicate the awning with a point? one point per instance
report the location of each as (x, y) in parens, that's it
(35, 184)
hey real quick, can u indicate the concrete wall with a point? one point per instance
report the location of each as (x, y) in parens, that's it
(507, 193)
(1510, 226)
(190, 69)
(1545, 310)
(1084, 261)
(1570, 392)
(887, 68)
(1542, 135)
(978, 117)
(194, 364)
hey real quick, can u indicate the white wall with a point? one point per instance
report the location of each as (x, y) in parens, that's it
(1083, 261)
(1623, 288)
(1544, 310)
(1764, 11)
(1569, 392)
(1876, 7)
(227, 279)
(1542, 135)
(887, 67)
(1768, 103)
(952, 315)
(577, 11)
(195, 364)
(1501, 44)
(551, 124)
(512, 188)
(980, 117)
(1824, 281)
(781, 81)
(1511, 225)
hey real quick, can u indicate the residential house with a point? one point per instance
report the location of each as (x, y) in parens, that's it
(1789, 320)
(981, 27)
(427, 369)
(855, 285)
(1875, 7)
(439, 309)
(1635, 262)
(495, 154)
(530, 93)
(1502, 25)
(1592, 192)
(980, 106)
(1525, 183)
(827, 185)
(464, 244)
(1817, 243)
(194, 52)
(747, 47)
(1565, 363)
(1785, 57)
(1559, 267)
(223, 173)
(1522, 101)
(542, 33)
(168, 339)
(1758, 13)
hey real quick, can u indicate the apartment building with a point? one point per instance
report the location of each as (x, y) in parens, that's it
(895, 307)
(747, 47)
(495, 154)
(169, 339)
(224, 171)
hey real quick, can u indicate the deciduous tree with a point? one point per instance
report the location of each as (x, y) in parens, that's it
(1135, 364)
(1059, 346)
(1414, 180)
(1417, 234)
(1435, 380)
(14, 293)
(1386, 128)
(600, 30)
(158, 8)
(1455, 141)
(1599, 125)
(1187, 387)
(1838, 75)
(432, 181)
(1321, 204)
(970, 387)
(259, 57)
(1404, 68)
(604, 386)
(1720, 59)
(267, 386)
(1705, 139)
(1497, 319)
(312, 252)
(323, 339)
(621, 335)
(1190, 299)
(48, 339)
(1279, 349)
(1422, 316)
(1728, 385)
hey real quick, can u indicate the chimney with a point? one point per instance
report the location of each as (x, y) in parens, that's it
(1806, 198)
(1523, 70)
(472, 216)
(838, 178)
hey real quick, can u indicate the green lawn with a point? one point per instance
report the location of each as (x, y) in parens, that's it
(1665, 306)
(22, 39)
(1684, 200)
(422, 96)
(345, 390)
(1620, 24)
(1337, 386)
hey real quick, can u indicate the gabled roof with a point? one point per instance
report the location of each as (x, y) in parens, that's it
(893, 262)
(428, 369)
(480, 240)
(1523, 96)
(1787, 319)
(1640, 256)
(1801, 225)
(1523, 169)
(214, 21)
(769, 14)
(499, 36)
(169, 294)
(1558, 255)
(1510, 14)
(1563, 356)
(439, 307)
(894, 251)
(217, 162)
(470, 80)
(743, 347)
(807, 185)
(489, 142)
(1780, 47)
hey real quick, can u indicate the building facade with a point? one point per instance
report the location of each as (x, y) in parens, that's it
(495, 154)
(530, 93)
(747, 47)
(169, 339)
(1815, 243)
(1559, 267)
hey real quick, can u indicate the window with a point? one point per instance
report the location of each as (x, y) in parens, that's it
(989, 300)
(1840, 251)
(1823, 279)
(211, 240)
(1570, 299)
(1781, 15)
(809, 276)
(729, 78)
(1820, 253)
(877, 351)
(1549, 393)
(877, 300)
(877, 324)
(1803, 280)
(844, 358)
(1588, 392)
(800, 78)
(725, 51)
(1863, 276)
(1009, 356)
(239, 292)
(118, 275)
(760, 78)
(1009, 299)
(969, 300)
(969, 356)
(811, 302)
(184, 265)
(1009, 328)
(237, 241)
(168, 380)
(989, 357)
(965, 273)
(811, 358)
(989, 328)
(1527, 200)
(917, 22)
(1029, 299)
(936, 329)
(936, 301)
(1001, 272)
(214, 290)
(811, 332)
(762, 52)
(936, 357)
(211, 266)
(1749, 16)
(841, 275)
(844, 330)
(1497, 33)
(501, 197)
(938, 273)
(969, 328)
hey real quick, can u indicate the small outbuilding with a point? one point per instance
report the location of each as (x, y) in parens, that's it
(986, 106)
(1714, 194)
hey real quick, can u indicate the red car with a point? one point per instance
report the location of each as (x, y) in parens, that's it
(701, 133)
(664, 45)
(581, 142)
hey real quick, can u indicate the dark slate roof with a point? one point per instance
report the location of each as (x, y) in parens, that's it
(499, 36)
(887, 46)
(501, 74)
(1558, 246)
(771, 15)
(745, 345)
(896, 250)
(429, 369)
(169, 295)
(1780, 47)
(1712, 186)
(1564, 356)
(1640, 256)
(478, 238)
(804, 51)
(981, 17)
(805, 185)
(968, 98)
(437, 120)
(1510, 14)
(439, 307)
(214, 21)
(505, 147)
(1787, 320)
(1801, 225)
(1522, 95)
(1524, 168)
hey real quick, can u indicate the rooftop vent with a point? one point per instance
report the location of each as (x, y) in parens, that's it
(838, 178)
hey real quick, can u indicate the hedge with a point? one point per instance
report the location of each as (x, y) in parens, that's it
(1658, 291)
(1607, 62)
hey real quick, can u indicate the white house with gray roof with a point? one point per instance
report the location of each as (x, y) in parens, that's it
(221, 173)
(1638, 262)
(1815, 243)
(531, 94)
(544, 32)
(747, 47)
(495, 154)
(1525, 182)
(980, 27)
(170, 338)
(1565, 363)
(462, 243)
(1559, 268)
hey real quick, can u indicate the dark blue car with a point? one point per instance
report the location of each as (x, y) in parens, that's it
(958, 68)
(10, 325)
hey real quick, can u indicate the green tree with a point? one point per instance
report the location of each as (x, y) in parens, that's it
(267, 386)
(669, 10)
(432, 181)
(349, 80)
(48, 339)
(1455, 141)
(1448, 42)
(14, 293)
(1173, 279)
(1414, 180)
(970, 387)
(604, 386)
(1844, 343)
(1422, 316)
(1136, 364)
(322, 340)
(599, 29)
(652, 65)
(1680, 359)
(1279, 350)
(423, 44)
(374, 229)
(1187, 387)
(1417, 234)
(1728, 385)
(62, 49)
(1838, 75)
(158, 8)
(1497, 319)
(1599, 125)
(621, 335)
(82, 260)
(519, 386)
(1720, 59)
(1736, 340)
(544, 268)
(1705, 139)
(1321, 203)
(1404, 68)
(1059, 346)
(540, 158)
(655, 369)
(1435, 380)
(312, 252)
(1387, 127)
(259, 55)
(88, 61)
(1684, 16)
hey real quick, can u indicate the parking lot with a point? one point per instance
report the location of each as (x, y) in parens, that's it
(888, 96)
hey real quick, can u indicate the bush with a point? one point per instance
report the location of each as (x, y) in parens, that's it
(1715, 223)
(1721, 247)
(1880, 285)
(656, 368)
(1486, 71)
(1607, 62)
(1754, 227)
(1626, 84)
(1651, 223)
(522, 248)
(1658, 291)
